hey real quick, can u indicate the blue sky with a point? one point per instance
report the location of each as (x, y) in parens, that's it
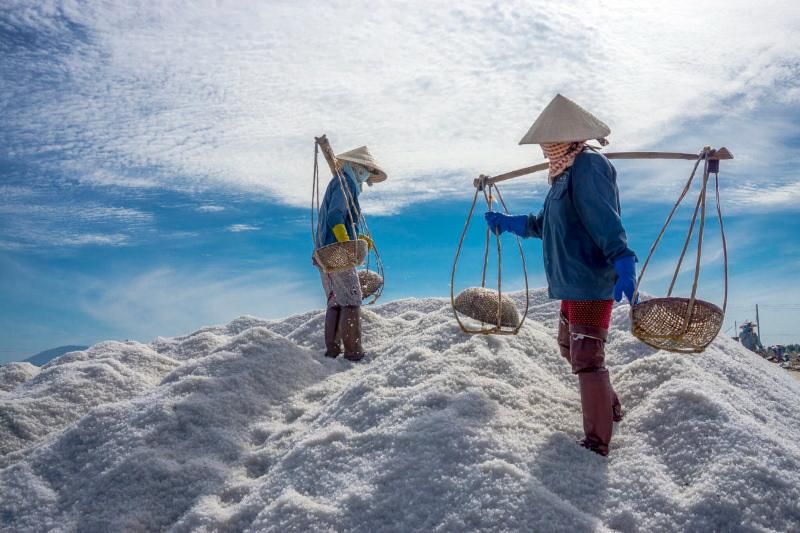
(155, 160)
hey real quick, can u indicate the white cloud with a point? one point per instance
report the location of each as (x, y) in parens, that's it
(105, 178)
(84, 239)
(168, 302)
(71, 224)
(210, 209)
(238, 228)
(205, 95)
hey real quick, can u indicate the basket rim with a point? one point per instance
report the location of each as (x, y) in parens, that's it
(360, 246)
(358, 242)
(654, 301)
(687, 347)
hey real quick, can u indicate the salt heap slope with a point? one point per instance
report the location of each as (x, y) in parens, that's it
(246, 427)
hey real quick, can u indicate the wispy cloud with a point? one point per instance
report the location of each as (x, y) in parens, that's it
(71, 224)
(238, 228)
(206, 96)
(167, 302)
(210, 209)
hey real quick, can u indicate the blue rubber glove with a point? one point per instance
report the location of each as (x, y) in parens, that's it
(626, 278)
(516, 224)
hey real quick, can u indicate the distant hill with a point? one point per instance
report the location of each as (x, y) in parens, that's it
(42, 358)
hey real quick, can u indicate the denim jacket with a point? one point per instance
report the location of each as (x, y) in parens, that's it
(334, 210)
(581, 230)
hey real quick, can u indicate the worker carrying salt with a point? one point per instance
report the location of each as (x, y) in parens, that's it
(749, 338)
(339, 215)
(586, 257)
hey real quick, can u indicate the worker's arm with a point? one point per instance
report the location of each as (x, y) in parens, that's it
(339, 213)
(340, 232)
(533, 225)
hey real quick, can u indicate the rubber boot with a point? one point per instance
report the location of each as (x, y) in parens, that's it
(333, 341)
(350, 329)
(563, 336)
(587, 351)
(596, 399)
(587, 347)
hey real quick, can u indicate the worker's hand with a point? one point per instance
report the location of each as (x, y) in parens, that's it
(499, 222)
(340, 232)
(626, 278)
(370, 244)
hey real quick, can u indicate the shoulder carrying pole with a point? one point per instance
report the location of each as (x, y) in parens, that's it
(327, 152)
(715, 155)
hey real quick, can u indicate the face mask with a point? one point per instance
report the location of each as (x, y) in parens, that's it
(363, 174)
(360, 173)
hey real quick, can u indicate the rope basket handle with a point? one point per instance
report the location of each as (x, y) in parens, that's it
(700, 207)
(497, 328)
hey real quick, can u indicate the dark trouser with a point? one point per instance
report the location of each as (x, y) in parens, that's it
(333, 340)
(582, 332)
(343, 326)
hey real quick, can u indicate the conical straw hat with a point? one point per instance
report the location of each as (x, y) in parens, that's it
(362, 156)
(565, 121)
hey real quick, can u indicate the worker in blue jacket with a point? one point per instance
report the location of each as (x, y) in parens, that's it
(587, 261)
(339, 216)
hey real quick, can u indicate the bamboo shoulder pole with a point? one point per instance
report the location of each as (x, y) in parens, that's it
(717, 155)
(327, 151)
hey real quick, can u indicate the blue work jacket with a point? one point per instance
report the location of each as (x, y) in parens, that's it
(334, 210)
(581, 230)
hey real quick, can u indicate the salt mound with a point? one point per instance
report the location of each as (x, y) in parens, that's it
(248, 427)
(68, 387)
(13, 374)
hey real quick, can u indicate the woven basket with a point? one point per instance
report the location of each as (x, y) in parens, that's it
(341, 255)
(370, 282)
(661, 323)
(481, 304)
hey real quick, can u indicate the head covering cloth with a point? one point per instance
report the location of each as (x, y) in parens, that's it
(562, 129)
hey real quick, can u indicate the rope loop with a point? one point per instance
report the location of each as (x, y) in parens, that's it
(699, 209)
(484, 186)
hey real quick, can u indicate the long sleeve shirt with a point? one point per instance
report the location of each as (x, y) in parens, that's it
(581, 230)
(337, 208)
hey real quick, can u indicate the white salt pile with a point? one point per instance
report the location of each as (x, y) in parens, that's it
(248, 427)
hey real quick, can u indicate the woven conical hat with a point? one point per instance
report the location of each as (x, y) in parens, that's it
(362, 156)
(565, 121)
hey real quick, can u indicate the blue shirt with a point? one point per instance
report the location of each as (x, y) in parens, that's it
(334, 210)
(581, 230)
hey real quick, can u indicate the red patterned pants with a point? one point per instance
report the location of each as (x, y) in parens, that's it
(595, 313)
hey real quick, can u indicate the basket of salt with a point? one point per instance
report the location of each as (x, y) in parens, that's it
(480, 303)
(370, 282)
(341, 255)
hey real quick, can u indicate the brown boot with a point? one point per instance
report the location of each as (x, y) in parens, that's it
(563, 336)
(350, 329)
(587, 351)
(596, 398)
(587, 347)
(333, 341)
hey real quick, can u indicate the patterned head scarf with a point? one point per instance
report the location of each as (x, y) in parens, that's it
(561, 156)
